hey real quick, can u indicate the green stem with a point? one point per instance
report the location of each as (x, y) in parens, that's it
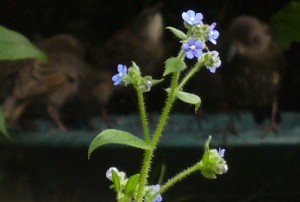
(177, 178)
(166, 111)
(143, 114)
(149, 153)
(190, 74)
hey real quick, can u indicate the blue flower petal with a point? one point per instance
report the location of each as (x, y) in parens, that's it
(191, 13)
(186, 47)
(189, 55)
(221, 152)
(212, 69)
(120, 68)
(199, 17)
(199, 44)
(118, 81)
(197, 53)
(213, 25)
(115, 77)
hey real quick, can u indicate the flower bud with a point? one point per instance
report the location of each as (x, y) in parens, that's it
(120, 174)
(212, 162)
(212, 61)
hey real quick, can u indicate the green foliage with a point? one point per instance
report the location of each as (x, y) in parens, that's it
(174, 65)
(112, 136)
(286, 24)
(14, 46)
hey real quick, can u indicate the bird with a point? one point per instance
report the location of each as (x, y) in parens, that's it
(51, 83)
(142, 42)
(94, 94)
(254, 70)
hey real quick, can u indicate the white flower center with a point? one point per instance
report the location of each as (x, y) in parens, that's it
(120, 74)
(193, 47)
(192, 18)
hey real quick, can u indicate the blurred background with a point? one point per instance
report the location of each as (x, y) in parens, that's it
(54, 114)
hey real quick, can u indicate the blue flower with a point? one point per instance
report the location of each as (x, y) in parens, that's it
(193, 48)
(158, 197)
(213, 34)
(221, 152)
(191, 17)
(117, 78)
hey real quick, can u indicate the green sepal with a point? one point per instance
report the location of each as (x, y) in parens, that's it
(14, 46)
(116, 180)
(178, 33)
(174, 65)
(134, 75)
(112, 136)
(131, 185)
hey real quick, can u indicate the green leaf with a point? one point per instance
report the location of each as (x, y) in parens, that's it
(116, 180)
(178, 33)
(286, 24)
(112, 136)
(3, 129)
(174, 65)
(14, 46)
(131, 185)
(189, 98)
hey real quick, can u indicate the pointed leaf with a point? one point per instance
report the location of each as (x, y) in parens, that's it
(131, 185)
(14, 46)
(189, 98)
(174, 65)
(178, 33)
(112, 136)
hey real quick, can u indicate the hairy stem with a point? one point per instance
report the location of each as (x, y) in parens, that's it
(149, 153)
(177, 178)
(143, 114)
(191, 73)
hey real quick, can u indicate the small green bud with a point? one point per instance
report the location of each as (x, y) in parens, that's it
(212, 162)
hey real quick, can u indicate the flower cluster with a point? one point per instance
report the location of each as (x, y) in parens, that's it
(132, 75)
(136, 187)
(194, 45)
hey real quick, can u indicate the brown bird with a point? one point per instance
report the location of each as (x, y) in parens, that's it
(254, 71)
(51, 83)
(8, 72)
(95, 91)
(141, 42)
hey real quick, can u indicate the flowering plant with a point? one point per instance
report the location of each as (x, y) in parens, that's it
(136, 188)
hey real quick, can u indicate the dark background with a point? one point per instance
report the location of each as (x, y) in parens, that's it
(43, 173)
